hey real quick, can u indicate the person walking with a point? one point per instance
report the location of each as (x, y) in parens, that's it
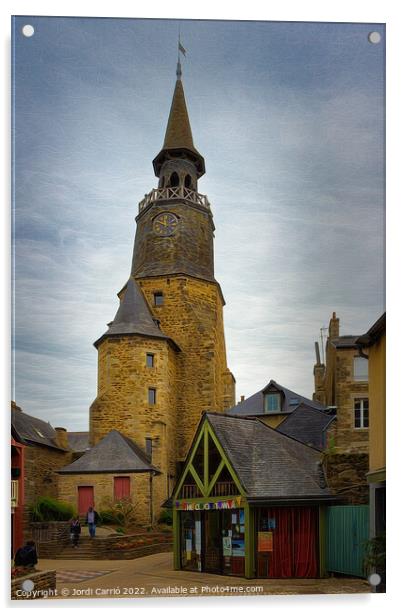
(92, 520)
(75, 531)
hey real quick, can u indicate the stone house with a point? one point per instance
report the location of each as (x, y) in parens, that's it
(342, 384)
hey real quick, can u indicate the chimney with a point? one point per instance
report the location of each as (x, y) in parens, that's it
(333, 327)
(62, 438)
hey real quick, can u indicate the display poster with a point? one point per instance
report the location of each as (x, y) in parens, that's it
(265, 542)
(227, 546)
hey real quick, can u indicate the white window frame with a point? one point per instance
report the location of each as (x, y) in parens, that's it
(357, 374)
(266, 398)
(361, 402)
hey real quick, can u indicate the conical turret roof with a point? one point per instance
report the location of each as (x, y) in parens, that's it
(178, 135)
(133, 316)
(178, 130)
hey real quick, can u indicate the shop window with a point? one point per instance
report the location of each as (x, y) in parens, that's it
(152, 395)
(361, 413)
(272, 403)
(150, 360)
(360, 369)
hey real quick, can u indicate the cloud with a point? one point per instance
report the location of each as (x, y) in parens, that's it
(294, 154)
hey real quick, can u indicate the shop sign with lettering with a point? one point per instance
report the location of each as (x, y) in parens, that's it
(232, 503)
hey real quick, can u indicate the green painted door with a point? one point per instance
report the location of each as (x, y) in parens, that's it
(347, 530)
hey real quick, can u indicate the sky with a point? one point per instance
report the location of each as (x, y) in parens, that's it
(290, 120)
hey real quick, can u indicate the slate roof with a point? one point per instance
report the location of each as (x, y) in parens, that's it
(306, 425)
(345, 342)
(178, 131)
(115, 453)
(78, 441)
(373, 334)
(133, 316)
(29, 429)
(270, 465)
(254, 405)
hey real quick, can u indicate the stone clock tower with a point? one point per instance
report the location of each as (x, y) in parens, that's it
(162, 361)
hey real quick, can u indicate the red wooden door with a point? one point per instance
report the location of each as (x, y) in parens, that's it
(121, 488)
(85, 499)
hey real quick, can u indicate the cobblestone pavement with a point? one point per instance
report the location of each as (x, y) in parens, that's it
(153, 576)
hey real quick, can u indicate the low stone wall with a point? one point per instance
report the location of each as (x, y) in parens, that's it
(38, 585)
(49, 537)
(346, 476)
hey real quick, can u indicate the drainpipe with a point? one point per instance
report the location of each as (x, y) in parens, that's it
(151, 508)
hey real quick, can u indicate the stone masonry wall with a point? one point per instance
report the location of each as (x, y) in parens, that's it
(346, 475)
(41, 478)
(122, 402)
(347, 437)
(104, 491)
(192, 314)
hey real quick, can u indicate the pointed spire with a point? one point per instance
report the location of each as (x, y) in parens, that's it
(133, 316)
(178, 136)
(178, 131)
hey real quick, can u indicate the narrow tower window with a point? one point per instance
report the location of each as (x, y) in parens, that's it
(150, 360)
(158, 298)
(187, 181)
(148, 447)
(151, 395)
(174, 179)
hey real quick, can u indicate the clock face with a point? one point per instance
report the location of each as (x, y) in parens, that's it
(165, 224)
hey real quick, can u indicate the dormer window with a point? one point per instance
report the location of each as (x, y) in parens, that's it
(272, 403)
(158, 298)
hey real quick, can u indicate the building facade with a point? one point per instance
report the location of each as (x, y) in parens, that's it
(250, 502)
(162, 361)
(342, 383)
(373, 343)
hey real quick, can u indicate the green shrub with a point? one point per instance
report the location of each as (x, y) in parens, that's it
(120, 530)
(108, 516)
(48, 509)
(166, 517)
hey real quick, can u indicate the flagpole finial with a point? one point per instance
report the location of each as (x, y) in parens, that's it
(180, 49)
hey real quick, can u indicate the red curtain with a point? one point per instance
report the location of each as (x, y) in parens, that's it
(305, 527)
(295, 531)
(280, 562)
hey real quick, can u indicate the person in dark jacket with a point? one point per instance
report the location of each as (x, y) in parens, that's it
(92, 520)
(75, 531)
(26, 556)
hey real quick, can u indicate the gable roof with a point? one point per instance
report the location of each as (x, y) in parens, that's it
(306, 425)
(78, 441)
(29, 429)
(269, 465)
(254, 405)
(134, 317)
(115, 453)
